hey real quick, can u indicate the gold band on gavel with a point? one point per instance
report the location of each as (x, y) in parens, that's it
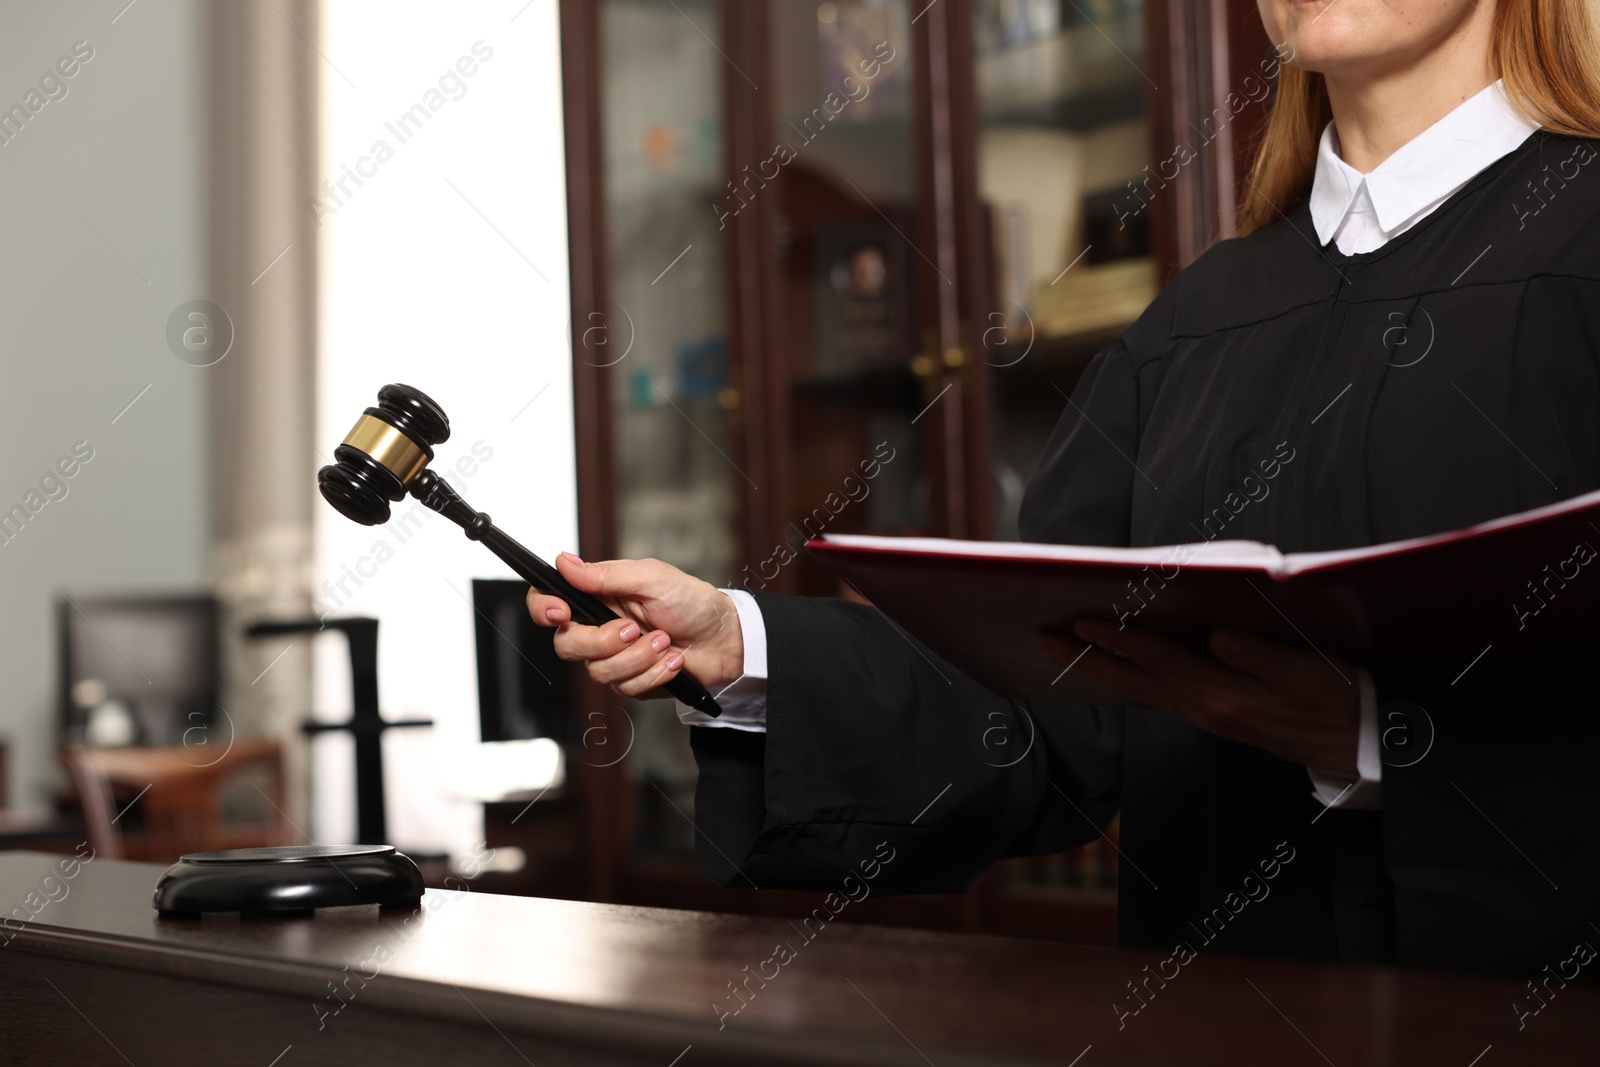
(403, 457)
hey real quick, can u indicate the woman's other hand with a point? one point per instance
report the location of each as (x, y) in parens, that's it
(670, 621)
(1293, 702)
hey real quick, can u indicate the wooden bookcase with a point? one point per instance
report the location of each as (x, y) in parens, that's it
(773, 287)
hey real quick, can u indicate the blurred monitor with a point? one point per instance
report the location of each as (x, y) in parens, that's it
(136, 670)
(524, 690)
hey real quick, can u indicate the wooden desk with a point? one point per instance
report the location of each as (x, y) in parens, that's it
(97, 978)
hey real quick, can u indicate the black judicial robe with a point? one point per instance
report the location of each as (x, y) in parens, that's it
(1287, 393)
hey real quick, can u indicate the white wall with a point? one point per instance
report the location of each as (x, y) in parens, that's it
(84, 302)
(445, 269)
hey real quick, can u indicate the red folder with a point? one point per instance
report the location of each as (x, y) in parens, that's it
(1530, 579)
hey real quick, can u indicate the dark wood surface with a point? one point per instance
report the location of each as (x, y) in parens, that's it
(96, 977)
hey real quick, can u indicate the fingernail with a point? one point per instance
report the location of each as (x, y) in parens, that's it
(573, 559)
(1085, 630)
(629, 632)
(675, 661)
(660, 642)
(555, 615)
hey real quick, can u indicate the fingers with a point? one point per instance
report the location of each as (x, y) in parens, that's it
(618, 654)
(1061, 649)
(1277, 665)
(1158, 656)
(638, 657)
(578, 643)
(1124, 676)
(1155, 671)
(1111, 671)
(1255, 691)
(632, 659)
(642, 578)
(547, 610)
(663, 671)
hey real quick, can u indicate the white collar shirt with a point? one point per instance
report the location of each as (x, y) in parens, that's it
(1361, 212)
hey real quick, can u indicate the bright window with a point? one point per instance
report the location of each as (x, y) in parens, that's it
(443, 224)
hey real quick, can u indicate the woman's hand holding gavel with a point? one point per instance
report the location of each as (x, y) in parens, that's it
(681, 620)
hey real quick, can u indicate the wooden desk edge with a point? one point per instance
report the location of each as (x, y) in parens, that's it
(604, 1029)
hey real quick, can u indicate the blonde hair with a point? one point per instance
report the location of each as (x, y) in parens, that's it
(1548, 52)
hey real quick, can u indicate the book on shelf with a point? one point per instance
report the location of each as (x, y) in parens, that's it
(1095, 297)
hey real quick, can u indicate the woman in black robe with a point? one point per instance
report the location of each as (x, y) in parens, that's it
(1275, 351)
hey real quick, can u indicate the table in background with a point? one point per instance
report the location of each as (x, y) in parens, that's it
(57, 832)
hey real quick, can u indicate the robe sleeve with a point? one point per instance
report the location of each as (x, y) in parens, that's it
(878, 752)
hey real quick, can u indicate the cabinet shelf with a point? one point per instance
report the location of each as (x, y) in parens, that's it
(873, 385)
(1079, 78)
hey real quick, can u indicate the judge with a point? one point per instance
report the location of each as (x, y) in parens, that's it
(1408, 334)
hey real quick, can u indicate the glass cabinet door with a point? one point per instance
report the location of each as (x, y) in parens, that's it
(841, 173)
(1063, 147)
(662, 337)
(832, 195)
(856, 255)
(829, 191)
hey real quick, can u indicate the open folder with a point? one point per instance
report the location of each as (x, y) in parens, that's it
(1530, 579)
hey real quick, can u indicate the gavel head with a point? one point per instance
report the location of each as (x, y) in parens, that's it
(388, 447)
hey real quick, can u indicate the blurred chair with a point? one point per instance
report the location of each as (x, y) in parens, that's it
(159, 803)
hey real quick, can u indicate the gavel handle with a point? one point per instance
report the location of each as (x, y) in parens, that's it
(435, 493)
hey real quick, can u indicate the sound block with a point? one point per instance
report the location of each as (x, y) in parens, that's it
(287, 881)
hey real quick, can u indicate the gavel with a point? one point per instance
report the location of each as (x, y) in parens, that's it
(386, 455)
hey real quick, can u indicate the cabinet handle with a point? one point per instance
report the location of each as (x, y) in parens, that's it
(929, 365)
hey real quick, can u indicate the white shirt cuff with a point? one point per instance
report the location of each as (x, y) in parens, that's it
(744, 700)
(1366, 791)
